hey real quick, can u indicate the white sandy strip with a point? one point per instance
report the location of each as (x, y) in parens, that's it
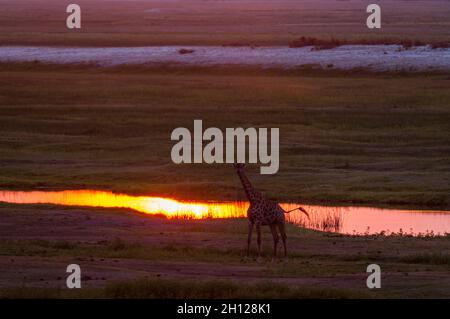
(376, 57)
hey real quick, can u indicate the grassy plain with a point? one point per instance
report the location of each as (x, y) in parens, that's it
(379, 139)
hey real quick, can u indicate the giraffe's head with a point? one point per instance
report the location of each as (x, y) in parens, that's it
(239, 167)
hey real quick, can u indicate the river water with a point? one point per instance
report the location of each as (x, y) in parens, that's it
(339, 219)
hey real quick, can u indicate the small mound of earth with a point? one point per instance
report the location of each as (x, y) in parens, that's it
(186, 51)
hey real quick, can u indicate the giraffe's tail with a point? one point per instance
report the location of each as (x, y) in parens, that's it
(300, 209)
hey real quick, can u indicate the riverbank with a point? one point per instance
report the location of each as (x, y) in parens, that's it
(125, 254)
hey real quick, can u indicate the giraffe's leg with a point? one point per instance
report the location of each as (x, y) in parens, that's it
(249, 239)
(258, 239)
(283, 237)
(274, 230)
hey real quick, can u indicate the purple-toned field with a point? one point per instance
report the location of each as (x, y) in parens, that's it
(191, 22)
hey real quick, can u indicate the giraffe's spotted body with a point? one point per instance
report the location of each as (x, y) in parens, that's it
(265, 212)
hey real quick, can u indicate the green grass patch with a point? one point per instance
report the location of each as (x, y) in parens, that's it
(186, 289)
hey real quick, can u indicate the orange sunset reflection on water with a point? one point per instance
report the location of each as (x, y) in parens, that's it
(346, 220)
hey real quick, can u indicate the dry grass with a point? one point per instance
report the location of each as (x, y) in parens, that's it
(326, 44)
(329, 222)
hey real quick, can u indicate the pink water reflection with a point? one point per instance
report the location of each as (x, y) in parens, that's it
(369, 220)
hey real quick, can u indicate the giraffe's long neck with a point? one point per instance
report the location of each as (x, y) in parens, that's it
(252, 194)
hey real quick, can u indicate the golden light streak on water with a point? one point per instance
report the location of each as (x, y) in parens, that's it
(171, 208)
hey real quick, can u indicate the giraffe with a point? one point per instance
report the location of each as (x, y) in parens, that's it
(262, 212)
